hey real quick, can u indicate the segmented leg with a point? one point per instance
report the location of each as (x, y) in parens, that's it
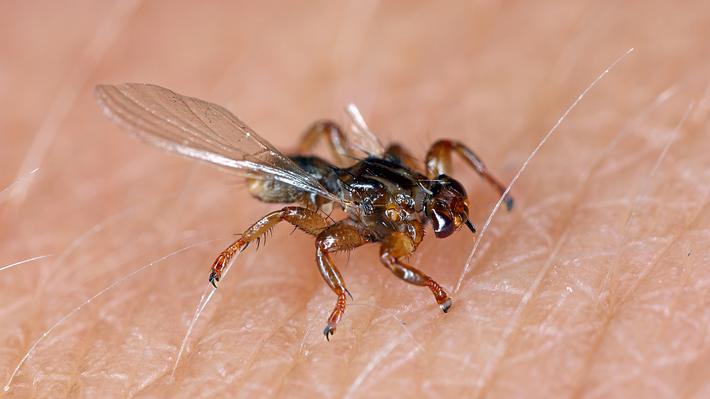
(438, 162)
(334, 136)
(402, 155)
(303, 218)
(340, 236)
(397, 246)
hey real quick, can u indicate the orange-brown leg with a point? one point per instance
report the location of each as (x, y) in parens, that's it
(402, 155)
(334, 136)
(397, 246)
(303, 218)
(340, 236)
(438, 162)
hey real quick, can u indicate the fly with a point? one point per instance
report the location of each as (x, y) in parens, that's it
(387, 198)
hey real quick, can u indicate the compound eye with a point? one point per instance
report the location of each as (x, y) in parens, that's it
(443, 224)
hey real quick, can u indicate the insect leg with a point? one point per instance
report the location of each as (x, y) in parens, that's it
(332, 133)
(397, 246)
(438, 162)
(337, 237)
(402, 155)
(304, 219)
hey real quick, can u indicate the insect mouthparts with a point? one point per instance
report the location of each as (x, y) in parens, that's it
(471, 226)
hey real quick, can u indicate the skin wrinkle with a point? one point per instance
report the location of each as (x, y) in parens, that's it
(575, 202)
(544, 140)
(259, 348)
(488, 373)
(263, 342)
(20, 180)
(89, 301)
(651, 267)
(615, 308)
(386, 350)
(365, 372)
(391, 315)
(607, 151)
(149, 378)
(298, 357)
(65, 99)
(358, 338)
(75, 244)
(516, 72)
(661, 157)
(625, 298)
(349, 391)
(577, 196)
(271, 335)
(673, 308)
(360, 378)
(690, 387)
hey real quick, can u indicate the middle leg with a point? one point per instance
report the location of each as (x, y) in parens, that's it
(341, 236)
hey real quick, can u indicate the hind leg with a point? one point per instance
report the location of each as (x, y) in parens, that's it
(303, 218)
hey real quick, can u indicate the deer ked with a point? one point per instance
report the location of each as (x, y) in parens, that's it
(387, 197)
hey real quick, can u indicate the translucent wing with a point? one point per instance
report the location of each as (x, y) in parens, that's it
(200, 130)
(360, 135)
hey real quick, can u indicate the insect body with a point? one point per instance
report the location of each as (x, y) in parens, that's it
(386, 198)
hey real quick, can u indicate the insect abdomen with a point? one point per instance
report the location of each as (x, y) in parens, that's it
(274, 191)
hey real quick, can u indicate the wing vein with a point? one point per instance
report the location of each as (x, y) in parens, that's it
(201, 130)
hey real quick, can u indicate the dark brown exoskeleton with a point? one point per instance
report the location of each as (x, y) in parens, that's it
(386, 198)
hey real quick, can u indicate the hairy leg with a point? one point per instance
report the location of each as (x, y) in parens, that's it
(341, 236)
(302, 218)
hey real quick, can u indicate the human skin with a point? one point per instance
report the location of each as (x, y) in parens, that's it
(595, 285)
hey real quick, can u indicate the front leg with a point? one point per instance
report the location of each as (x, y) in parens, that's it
(340, 236)
(399, 245)
(438, 162)
(303, 218)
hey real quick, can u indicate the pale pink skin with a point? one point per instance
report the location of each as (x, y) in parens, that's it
(596, 285)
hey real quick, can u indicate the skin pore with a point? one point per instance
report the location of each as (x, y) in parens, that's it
(595, 285)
